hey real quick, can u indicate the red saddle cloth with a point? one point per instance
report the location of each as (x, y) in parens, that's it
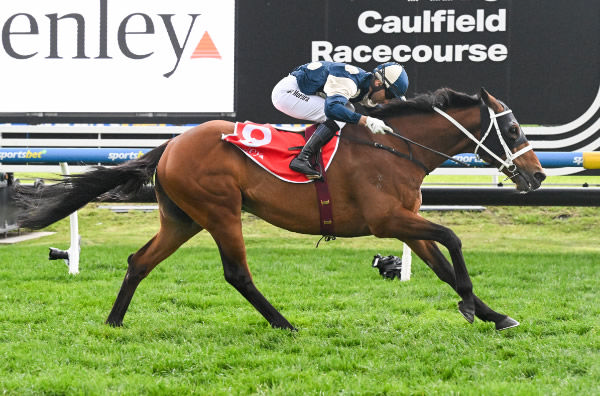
(270, 148)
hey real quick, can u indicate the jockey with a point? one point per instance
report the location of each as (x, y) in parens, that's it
(323, 92)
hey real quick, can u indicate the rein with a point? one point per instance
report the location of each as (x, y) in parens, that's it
(408, 156)
(408, 141)
(392, 150)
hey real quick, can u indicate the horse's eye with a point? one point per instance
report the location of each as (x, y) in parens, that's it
(513, 131)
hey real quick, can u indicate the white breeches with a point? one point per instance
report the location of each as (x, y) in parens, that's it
(288, 99)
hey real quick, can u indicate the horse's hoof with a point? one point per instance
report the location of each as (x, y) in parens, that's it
(506, 323)
(469, 314)
(114, 323)
(284, 326)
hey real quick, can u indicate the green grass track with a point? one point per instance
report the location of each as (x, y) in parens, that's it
(188, 332)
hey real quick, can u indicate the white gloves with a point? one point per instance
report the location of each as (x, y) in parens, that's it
(377, 126)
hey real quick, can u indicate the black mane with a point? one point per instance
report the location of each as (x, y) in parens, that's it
(444, 98)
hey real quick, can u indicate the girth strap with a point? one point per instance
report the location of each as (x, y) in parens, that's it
(323, 196)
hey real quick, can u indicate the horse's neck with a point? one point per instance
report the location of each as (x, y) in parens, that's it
(437, 133)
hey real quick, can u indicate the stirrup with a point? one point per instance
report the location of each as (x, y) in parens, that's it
(304, 167)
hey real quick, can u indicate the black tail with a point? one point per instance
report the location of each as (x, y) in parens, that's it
(42, 206)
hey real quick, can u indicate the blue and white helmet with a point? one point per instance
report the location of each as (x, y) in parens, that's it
(394, 78)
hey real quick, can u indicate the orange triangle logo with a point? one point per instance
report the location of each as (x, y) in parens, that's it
(206, 48)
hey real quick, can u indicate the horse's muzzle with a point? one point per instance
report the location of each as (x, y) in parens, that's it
(540, 177)
(526, 182)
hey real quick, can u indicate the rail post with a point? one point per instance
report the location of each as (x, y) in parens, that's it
(71, 255)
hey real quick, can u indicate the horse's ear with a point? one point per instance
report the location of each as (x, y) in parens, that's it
(490, 101)
(484, 94)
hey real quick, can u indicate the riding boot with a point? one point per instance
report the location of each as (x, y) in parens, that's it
(319, 138)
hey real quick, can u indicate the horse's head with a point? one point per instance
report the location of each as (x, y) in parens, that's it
(507, 146)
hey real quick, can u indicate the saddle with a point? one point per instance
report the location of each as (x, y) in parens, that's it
(273, 149)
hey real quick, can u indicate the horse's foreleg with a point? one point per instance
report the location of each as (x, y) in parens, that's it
(233, 255)
(463, 284)
(170, 236)
(433, 257)
(406, 225)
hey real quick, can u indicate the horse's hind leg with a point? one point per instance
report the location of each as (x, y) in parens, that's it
(433, 257)
(175, 229)
(222, 218)
(233, 256)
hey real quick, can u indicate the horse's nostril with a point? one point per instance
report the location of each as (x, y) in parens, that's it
(540, 176)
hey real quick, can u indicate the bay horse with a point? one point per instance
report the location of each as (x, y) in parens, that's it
(204, 183)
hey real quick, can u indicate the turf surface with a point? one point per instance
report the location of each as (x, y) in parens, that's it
(188, 331)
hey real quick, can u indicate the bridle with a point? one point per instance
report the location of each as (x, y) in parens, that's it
(489, 119)
(488, 116)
